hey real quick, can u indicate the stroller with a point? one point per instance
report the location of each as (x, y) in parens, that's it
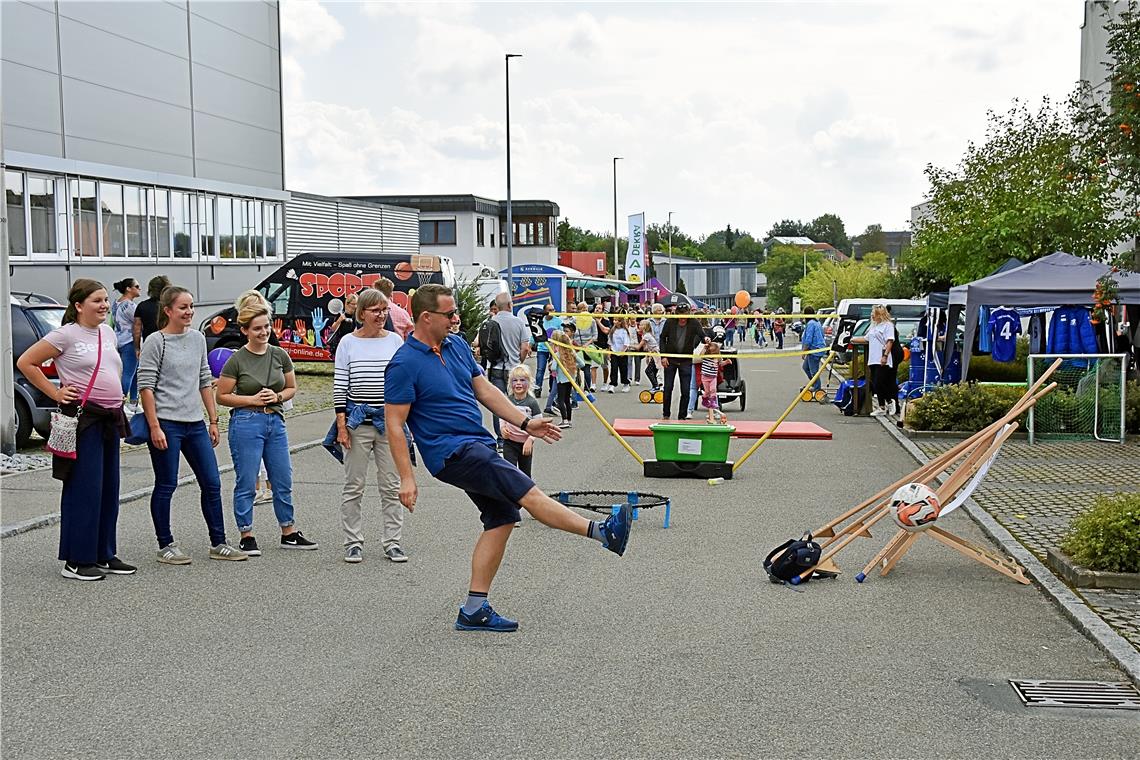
(731, 386)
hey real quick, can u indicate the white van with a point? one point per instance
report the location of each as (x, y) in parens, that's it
(900, 308)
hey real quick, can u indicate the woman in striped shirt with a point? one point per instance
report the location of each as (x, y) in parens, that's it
(358, 396)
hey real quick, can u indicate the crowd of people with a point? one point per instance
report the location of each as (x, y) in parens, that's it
(397, 378)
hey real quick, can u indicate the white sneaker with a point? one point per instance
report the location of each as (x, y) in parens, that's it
(625, 388)
(609, 389)
(878, 413)
(637, 382)
(264, 496)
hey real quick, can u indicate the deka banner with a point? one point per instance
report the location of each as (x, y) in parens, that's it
(635, 254)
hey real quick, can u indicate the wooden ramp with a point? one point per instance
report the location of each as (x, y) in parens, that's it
(744, 429)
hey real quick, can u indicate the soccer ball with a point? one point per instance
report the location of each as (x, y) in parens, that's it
(915, 506)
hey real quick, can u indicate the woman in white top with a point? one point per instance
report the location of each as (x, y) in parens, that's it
(880, 338)
(358, 398)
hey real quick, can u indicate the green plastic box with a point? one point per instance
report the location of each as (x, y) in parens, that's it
(691, 443)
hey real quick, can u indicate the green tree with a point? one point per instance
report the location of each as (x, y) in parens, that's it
(784, 268)
(852, 279)
(872, 239)
(657, 236)
(788, 228)
(729, 237)
(1107, 113)
(829, 228)
(1028, 190)
(877, 260)
(681, 286)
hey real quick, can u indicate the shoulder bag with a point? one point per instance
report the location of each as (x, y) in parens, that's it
(140, 430)
(64, 427)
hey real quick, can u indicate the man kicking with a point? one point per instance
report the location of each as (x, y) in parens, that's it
(434, 384)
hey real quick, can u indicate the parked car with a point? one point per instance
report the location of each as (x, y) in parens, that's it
(33, 316)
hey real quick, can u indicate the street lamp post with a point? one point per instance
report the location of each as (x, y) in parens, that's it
(510, 221)
(617, 272)
(669, 224)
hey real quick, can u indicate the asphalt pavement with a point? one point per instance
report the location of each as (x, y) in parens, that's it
(680, 649)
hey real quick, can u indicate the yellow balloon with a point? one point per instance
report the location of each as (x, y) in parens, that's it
(583, 322)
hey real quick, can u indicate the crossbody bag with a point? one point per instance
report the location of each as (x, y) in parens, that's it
(64, 427)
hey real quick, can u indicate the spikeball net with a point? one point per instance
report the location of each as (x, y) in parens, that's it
(604, 501)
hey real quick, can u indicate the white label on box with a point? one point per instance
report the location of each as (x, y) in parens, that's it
(689, 446)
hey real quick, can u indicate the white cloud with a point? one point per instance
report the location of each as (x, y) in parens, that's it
(725, 113)
(308, 27)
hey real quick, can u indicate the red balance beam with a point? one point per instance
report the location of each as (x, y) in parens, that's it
(744, 429)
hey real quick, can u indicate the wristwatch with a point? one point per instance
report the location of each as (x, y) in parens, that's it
(525, 422)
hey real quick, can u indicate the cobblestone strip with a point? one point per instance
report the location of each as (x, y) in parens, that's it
(1121, 649)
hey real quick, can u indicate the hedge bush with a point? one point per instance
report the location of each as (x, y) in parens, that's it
(967, 407)
(1107, 537)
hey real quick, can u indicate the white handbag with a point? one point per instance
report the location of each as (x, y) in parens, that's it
(64, 427)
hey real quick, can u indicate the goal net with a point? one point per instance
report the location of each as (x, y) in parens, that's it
(1088, 403)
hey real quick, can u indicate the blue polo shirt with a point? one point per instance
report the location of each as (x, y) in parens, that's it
(444, 413)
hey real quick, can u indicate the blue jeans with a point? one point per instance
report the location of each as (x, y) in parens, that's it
(130, 372)
(729, 336)
(811, 366)
(256, 437)
(540, 376)
(89, 506)
(192, 441)
(693, 395)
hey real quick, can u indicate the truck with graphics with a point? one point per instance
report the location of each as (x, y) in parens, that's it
(309, 291)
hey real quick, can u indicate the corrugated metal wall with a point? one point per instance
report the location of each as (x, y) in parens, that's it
(401, 229)
(315, 223)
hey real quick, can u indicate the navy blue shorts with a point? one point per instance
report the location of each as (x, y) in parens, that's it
(494, 484)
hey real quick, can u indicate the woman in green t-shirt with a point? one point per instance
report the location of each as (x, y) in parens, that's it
(255, 382)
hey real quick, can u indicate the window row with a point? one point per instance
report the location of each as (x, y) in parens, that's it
(528, 231)
(56, 217)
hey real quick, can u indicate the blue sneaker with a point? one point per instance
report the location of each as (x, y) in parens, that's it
(484, 619)
(615, 530)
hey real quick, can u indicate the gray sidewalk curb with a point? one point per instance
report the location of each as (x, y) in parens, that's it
(1118, 649)
(44, 521)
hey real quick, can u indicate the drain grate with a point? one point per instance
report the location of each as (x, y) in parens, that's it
(1098, 694)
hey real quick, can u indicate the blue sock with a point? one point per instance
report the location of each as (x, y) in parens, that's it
(474, 601)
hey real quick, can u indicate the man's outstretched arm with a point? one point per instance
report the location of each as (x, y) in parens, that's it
(499, 405)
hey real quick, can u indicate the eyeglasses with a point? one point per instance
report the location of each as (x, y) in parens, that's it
(377, 311)
(449, 314)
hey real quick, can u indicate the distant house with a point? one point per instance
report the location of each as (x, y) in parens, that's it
(830, 252)
(786, 240)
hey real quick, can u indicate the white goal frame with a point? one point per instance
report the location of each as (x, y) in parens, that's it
(1123, 358)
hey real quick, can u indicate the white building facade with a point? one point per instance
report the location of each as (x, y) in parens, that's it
(142, 138)
(471, 230)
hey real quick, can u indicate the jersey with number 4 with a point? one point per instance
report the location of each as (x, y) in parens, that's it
(1005, 326)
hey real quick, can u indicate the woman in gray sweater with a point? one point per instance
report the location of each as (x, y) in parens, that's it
(174, 384)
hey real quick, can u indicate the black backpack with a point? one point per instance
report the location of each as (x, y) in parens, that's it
(791, 558)
(491, 342)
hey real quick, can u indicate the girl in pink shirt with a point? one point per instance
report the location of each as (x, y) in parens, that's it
(85, 354)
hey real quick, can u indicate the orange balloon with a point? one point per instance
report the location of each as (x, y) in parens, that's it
(743, 299)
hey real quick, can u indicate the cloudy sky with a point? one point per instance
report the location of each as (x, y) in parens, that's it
(737, 114)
